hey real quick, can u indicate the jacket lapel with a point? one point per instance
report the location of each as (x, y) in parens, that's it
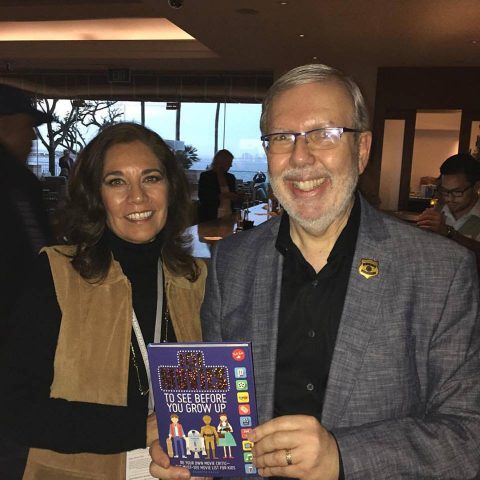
(266, 304)
(360, 313)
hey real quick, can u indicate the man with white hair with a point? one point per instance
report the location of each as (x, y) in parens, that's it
(365, 340)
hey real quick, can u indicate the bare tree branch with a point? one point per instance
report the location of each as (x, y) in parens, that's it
(67, 131)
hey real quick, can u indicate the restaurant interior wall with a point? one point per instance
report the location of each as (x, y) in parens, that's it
(431, 149)
(401, 92)
(436, 139)
(391, 164)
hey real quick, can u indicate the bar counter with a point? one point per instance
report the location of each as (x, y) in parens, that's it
(205, 234)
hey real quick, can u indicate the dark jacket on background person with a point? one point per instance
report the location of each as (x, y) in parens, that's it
(26, 229)
(208, 194)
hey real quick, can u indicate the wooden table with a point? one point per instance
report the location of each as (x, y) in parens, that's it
(205, 234)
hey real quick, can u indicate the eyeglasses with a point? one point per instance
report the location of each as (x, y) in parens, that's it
(456, 193)
(317, 139)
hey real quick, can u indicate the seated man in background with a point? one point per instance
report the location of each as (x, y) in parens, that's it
(459, 218)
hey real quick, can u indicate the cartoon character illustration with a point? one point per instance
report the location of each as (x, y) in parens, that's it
(210, 436)
(177, 435)
(226, 439)
(195, 443)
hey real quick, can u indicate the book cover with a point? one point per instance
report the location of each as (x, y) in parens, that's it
(205, 405)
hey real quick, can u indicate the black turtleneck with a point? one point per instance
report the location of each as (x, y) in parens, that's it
(139, 264)
(27, 412)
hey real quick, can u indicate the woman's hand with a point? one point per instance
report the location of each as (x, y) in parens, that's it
(152, 430)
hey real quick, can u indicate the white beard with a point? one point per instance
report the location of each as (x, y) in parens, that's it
(318, 225)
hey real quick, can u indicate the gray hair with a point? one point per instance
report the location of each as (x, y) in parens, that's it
(317, 73)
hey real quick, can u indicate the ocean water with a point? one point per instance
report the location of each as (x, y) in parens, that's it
(242, 169)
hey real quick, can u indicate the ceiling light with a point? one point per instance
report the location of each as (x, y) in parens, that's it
(475, 42)
(95, 29)
(282, 3)
(301, 35)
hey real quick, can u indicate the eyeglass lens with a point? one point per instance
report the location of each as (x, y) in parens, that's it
(322, 138)
(453, 193)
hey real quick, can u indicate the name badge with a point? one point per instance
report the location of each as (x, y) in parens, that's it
(138, 465)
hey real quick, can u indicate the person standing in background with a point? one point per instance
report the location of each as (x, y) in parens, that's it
(66, 163)
(20, 193)
(216, 188)
(27, 227)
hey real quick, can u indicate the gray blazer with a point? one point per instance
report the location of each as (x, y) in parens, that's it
(403, 395)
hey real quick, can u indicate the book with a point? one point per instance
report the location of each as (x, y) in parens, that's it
(205, 405)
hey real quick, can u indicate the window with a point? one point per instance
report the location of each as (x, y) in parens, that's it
(237, 130)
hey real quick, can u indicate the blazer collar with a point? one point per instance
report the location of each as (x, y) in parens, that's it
(360, 312)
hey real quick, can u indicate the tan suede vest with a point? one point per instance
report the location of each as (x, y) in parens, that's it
(94, 337)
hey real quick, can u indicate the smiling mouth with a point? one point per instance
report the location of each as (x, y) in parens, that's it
(307, 185)
(139, 215)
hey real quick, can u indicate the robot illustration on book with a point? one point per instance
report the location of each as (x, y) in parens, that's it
(195, 443)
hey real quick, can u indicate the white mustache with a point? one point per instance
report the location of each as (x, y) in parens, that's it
(303, 174)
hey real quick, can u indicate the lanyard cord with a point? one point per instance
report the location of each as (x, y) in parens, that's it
(141, 341)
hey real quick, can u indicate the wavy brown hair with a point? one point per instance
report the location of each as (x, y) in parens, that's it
(83, 219)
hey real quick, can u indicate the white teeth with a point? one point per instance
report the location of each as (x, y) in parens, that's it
(140, 215)
(308, 185)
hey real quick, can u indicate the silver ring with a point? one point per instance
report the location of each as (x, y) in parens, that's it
(288, 457)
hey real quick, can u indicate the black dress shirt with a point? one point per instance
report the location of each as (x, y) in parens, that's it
(310, 310)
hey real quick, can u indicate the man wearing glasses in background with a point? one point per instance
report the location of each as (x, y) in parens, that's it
(459, 218)
(365, 334)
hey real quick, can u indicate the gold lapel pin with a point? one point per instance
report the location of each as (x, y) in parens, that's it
(368, 268)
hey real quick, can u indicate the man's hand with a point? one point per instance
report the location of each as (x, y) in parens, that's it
(161, 468)
(431, 219)
(295, 446)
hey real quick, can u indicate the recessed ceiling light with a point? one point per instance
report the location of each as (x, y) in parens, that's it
(94, 29)
(301, 35)
(314, 58)
(282, 3)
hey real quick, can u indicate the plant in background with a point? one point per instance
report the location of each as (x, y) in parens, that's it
(187, 156)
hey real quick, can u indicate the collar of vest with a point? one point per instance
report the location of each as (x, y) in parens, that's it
(115, 273)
